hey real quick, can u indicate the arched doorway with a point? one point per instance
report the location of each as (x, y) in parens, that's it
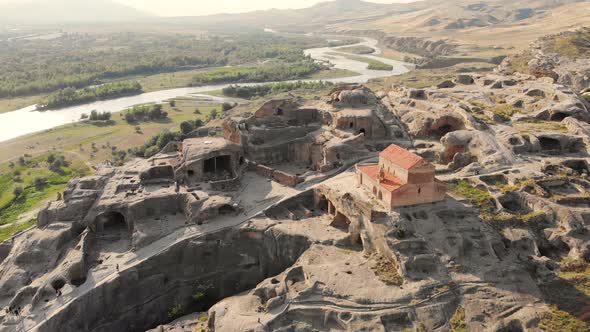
(363, 131)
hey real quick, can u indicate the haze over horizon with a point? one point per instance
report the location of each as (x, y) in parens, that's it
(201, 7)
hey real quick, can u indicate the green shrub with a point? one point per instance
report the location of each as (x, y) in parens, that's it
(175, 312)
(18, 191)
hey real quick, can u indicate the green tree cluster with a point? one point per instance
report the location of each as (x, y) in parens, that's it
(275, 71)
(145, 113)
(70, 96)
(247, 92)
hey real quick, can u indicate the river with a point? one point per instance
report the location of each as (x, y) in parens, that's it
(28, 120)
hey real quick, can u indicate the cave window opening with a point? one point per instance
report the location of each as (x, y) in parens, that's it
(362, 131)
(323, 203)
(380, 195)
(419, 190)
(112, 221)
(190, 173)
(340, 221)
(242, 160)
(58, 284)
(559, 116)
(226, 209)
(279, 111)
(443, 130)
(351, 125)
(549, 144)
(374, 190)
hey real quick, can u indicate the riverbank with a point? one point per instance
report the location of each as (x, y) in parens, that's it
(25, 121)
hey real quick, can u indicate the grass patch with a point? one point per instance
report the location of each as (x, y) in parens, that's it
(577, 273)
(504, 111)
(519, 63)
(458, 323)
(574, 45)
(361, 49)
(7, 232)
(386, 271)
(505, 188)
(12, 206)
(481, 199)
(12, 104)
(533, 126)
(558, 320)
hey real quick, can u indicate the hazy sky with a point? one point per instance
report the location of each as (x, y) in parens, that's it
(206, 7)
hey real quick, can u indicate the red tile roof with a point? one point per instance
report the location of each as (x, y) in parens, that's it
(389, 183)
(400, 156)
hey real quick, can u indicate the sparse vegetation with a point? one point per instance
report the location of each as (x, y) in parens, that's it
(39, 180)
(386, 271)
(458, 323)
(7, 232)
(480, 198)
(558, 320)
(175, 312)
(575, 44)
(532, 126)
(504, 111)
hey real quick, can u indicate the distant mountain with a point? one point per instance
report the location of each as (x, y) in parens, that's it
(66, 11)
(319, 15)
(437, 15)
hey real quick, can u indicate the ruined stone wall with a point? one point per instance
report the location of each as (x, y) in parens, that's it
(226, 185)
(286, 179)
(278, 176)
(161, 172)
(265, 135)
(295, 151)
(75, 209)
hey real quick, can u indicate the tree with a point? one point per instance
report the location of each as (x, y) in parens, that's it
(198, 123)
(51, 158)
(39, 182)
(93, 115)
(172, 103)
(186, 127)
(213, 114)
(130, 117)
(226, 107)
(18, 191)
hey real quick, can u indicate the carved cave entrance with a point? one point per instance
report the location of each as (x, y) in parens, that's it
(218, 166)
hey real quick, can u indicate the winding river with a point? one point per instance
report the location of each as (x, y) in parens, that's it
(27, 120)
